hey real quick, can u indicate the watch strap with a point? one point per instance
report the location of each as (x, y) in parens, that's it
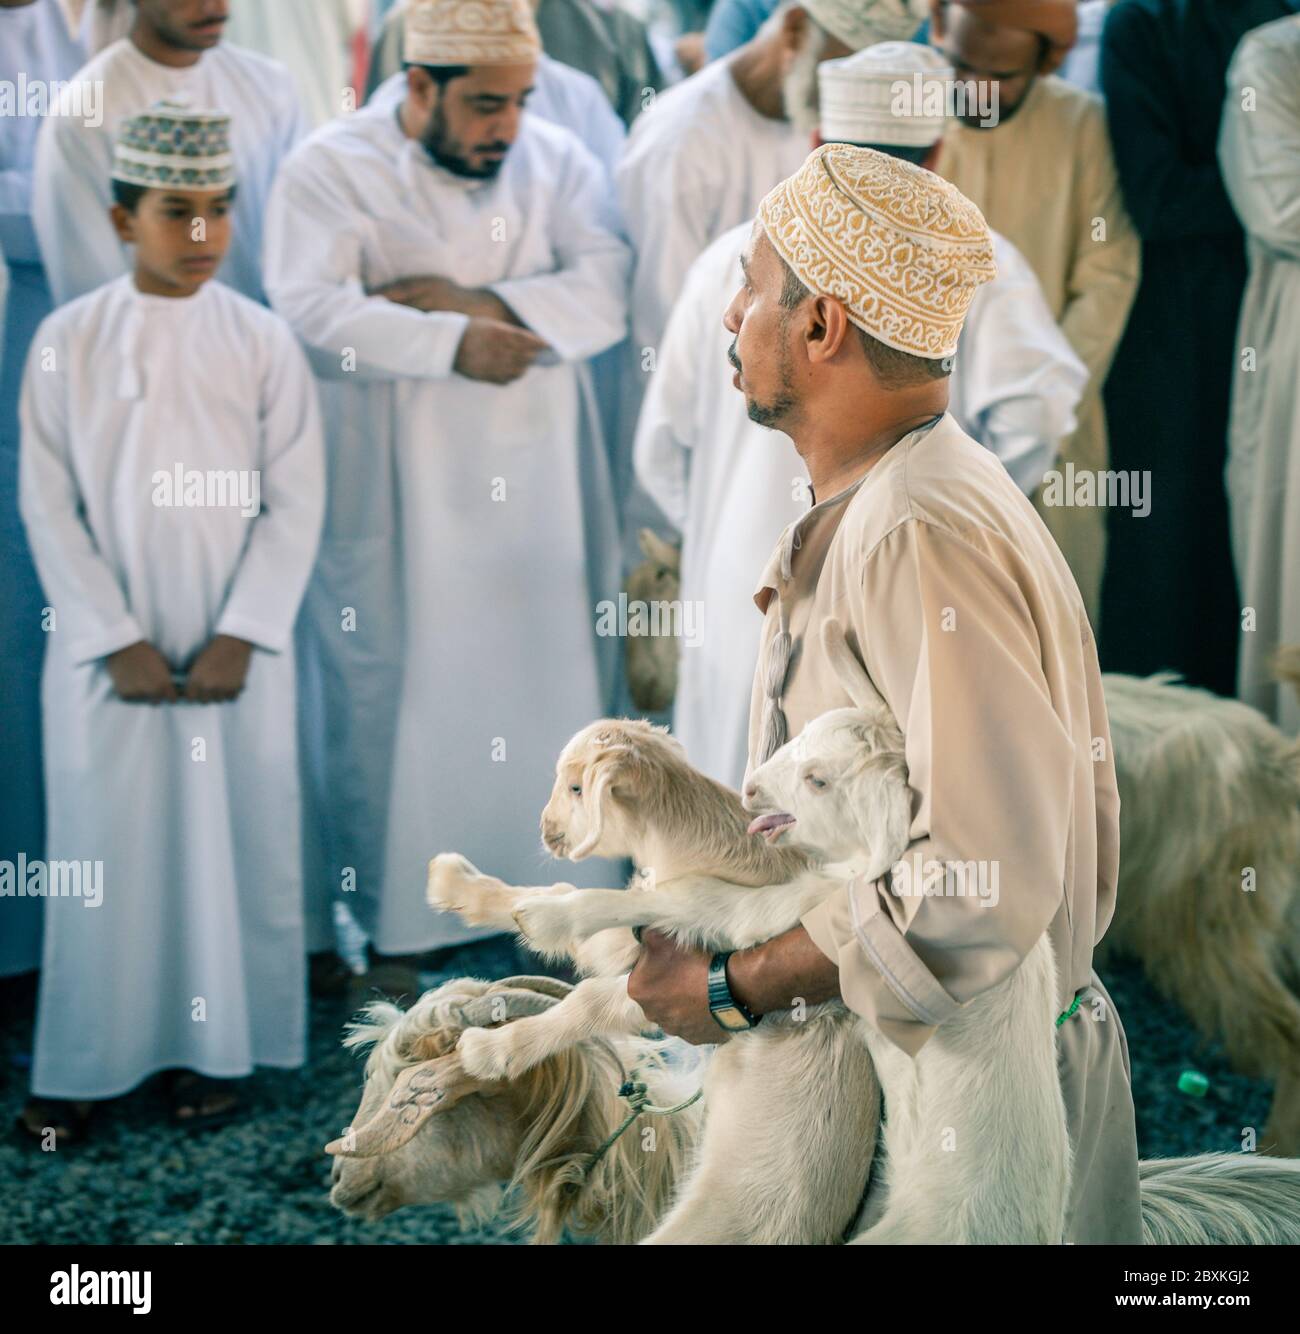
(727, 1011)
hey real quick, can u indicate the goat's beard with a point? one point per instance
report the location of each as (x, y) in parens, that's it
(799, 87)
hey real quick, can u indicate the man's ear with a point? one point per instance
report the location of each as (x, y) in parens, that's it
(123, 224)
(831, 328)
(422, 88)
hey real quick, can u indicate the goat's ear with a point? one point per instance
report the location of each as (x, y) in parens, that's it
(612, 761)
(848, 670)
(879, 736)
(656, 548)
(417, 1093)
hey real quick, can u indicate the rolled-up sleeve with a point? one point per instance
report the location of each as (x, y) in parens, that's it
(947, 635)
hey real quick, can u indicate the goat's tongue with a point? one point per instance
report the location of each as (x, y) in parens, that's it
(763, 824)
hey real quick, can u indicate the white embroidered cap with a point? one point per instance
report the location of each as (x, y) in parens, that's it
(471, 32)
(173, 145)
(893, 93)
(903, 249)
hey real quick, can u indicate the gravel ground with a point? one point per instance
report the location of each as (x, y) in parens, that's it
(263, 1179)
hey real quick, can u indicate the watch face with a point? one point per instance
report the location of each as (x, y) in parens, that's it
(731, 1019)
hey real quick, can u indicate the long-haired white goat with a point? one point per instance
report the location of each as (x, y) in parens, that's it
(533, 1142)
(426, 1133)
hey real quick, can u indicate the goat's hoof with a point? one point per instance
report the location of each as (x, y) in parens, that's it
(483, 1054)
(546, 923)
(445, 888)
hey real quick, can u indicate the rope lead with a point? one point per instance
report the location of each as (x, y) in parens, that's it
(637, 1096)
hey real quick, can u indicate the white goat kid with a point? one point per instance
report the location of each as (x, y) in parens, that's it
(976, 1144)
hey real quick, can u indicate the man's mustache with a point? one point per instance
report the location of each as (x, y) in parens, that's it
(734, 357)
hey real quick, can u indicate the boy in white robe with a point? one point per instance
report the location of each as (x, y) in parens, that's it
(175, 53)
(172, 485)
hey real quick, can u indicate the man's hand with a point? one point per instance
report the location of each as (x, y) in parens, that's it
(671, 984)
(496, 353)
(141, 675)
(217, 675)
(430, 292)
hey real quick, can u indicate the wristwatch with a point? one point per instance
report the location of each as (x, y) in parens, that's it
(727, 1011)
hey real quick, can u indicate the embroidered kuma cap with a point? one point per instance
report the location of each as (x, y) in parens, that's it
(901, 247)
(471, 32)
(893, 93)
(173, 145)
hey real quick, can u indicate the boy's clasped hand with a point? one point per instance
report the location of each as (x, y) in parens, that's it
(141, 675)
